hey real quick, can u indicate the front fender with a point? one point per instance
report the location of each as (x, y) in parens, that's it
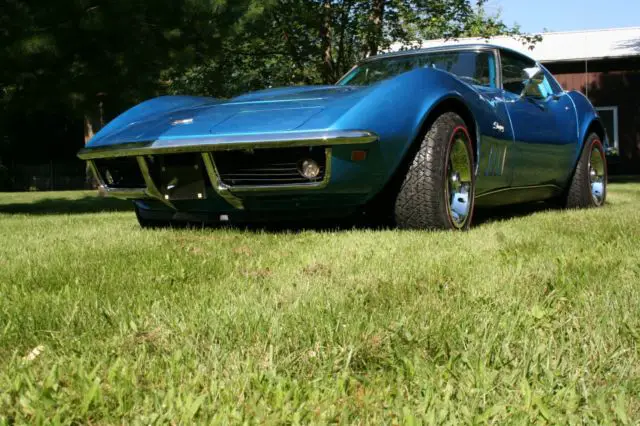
(396, 110)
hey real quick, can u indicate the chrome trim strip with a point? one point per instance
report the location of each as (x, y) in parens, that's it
(225, 143)
(218, 186)
(498, 63)
(339, 82)
(125, 193)
(517, 188)
(96, 174)
(152, 190)
(227, 192)
(435, 49)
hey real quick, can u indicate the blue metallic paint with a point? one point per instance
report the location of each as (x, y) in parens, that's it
(587, 116)
(545, 137)
(520, 142)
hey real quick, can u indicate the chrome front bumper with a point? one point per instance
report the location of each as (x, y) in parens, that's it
(205, 147)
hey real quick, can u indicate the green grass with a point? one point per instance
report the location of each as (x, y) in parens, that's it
(534, 318)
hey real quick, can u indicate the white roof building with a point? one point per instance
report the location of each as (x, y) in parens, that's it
(564, 46)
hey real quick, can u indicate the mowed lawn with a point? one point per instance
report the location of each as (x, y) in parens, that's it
(532, 318)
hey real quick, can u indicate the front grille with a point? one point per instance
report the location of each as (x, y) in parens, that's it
(120, 172)
(179, 176)
(261, 167)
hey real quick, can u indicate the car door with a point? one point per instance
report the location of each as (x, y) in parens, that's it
(496, 139)
(497, 147)
(543, 120)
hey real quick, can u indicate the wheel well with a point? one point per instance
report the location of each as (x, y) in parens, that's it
(597, 128)
(458, 107)
(379, 202)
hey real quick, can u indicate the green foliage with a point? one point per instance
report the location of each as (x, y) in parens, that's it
(71, 64)
(533, 319)
(120, 52)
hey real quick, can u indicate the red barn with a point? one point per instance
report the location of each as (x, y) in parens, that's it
(605, 66)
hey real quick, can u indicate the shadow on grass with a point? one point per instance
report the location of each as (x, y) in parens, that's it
(486, 215)
(89, 204)
(52, 206)
(482, 217)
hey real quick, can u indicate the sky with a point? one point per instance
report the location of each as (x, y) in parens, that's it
(567, 15)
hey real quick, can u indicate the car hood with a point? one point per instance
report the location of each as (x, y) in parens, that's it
(301, 108)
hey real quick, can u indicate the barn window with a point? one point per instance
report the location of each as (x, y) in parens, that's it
(609, 118)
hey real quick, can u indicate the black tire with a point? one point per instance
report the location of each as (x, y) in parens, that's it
(424, 200)
(588, 187)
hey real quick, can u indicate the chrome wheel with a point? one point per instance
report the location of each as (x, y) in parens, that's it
(459, 179)
(597, 173)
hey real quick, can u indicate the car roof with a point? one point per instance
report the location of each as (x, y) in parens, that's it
(446, 48)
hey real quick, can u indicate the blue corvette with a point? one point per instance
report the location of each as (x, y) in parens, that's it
(421, 137)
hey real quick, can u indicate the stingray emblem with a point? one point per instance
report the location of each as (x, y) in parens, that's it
(183, 121)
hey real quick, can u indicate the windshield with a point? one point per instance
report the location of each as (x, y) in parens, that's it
(473, 67)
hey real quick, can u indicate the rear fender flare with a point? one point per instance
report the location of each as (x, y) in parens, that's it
(588, 122)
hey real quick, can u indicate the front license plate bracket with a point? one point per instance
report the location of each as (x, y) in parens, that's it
(180, 176)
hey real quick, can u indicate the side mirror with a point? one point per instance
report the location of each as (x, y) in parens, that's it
(535, 77)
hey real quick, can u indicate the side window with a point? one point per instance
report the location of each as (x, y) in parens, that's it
(484, 69)
(473, 67)
(514, 76)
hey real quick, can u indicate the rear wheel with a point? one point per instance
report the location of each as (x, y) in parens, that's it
(589, 183)
(438, 189)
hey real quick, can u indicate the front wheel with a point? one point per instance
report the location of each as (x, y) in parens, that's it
(438, 189)
(588, 186)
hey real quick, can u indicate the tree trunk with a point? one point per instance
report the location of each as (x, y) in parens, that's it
(293, 52)
(344, 21)
(376, 19)
(93, 122)
(325, 36)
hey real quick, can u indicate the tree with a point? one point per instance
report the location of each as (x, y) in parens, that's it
(316, 41)
(374, 31)
(74, 64)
